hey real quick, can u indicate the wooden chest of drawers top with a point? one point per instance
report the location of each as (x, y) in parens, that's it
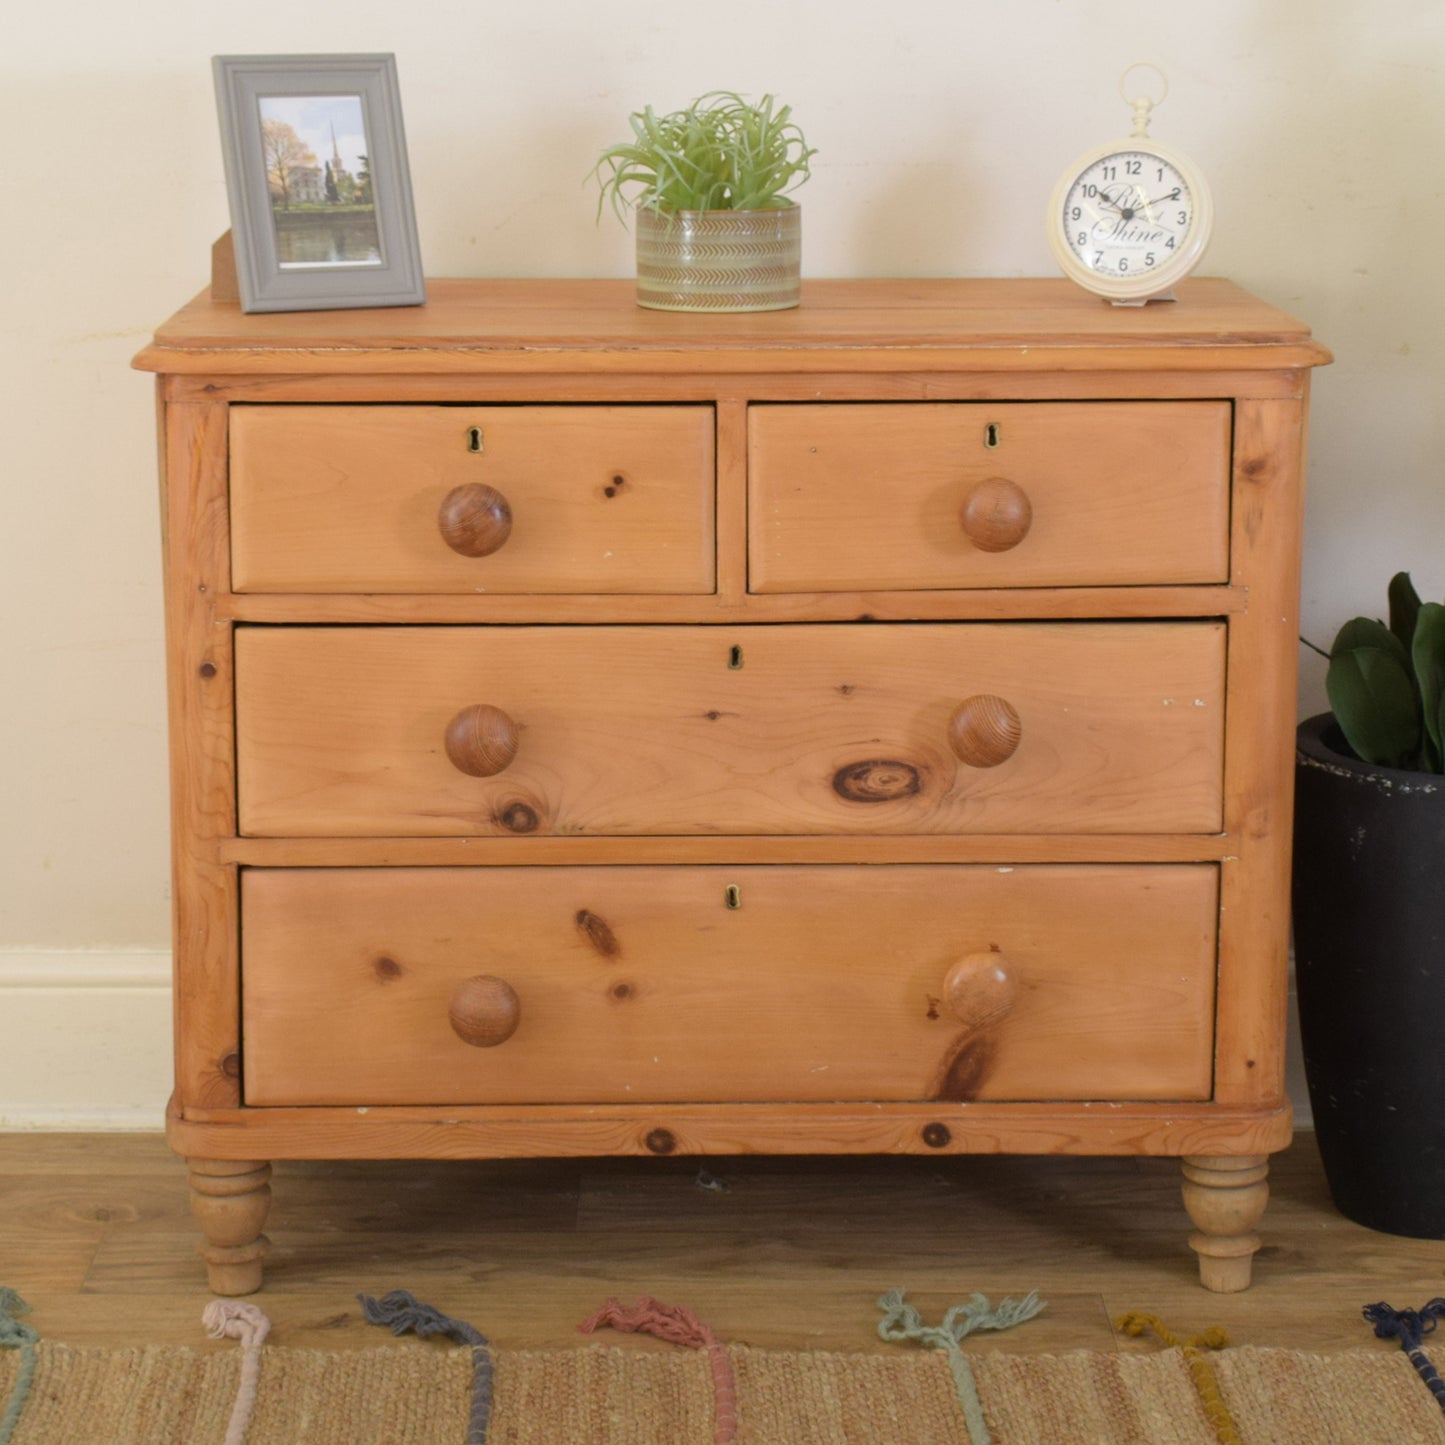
(589, 328)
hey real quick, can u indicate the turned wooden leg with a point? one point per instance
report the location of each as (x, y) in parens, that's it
(229, 1199)
(1225, 1197)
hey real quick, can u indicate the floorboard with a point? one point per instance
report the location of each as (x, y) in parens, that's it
(789, 1253)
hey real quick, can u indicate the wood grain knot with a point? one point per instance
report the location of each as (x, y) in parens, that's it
(937, 1136)
(518, 818)
(387, 968)
(596, 931)
(984, 731)
(207, 669)
(660, 1141)
(880, 780)
(474, 519)
(231, 1064)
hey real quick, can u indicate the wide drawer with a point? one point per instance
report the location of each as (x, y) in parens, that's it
(711, 984)
(900, 728)
(964, 495)
(365, 499)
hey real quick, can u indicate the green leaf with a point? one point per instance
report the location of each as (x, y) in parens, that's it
(1404, 607)
(1429, 658)
(720, 153)
(1374, 702)
(1367, 632)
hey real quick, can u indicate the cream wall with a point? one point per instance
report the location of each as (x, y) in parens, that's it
(941, 126)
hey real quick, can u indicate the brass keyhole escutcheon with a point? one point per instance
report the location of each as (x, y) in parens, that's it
(735, 658)
(733, 896)
(990, 435)
(475, 440)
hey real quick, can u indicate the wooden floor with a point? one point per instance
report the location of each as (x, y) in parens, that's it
(95, 1232)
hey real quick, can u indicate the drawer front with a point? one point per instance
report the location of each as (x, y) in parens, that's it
(606, 499)
(643, 984)
(943, 495)
(908, 728)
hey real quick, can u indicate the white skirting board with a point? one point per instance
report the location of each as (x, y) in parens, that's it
(85, 1039)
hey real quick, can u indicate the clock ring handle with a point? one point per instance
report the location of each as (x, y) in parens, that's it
(1143, 65)
(1143, 105)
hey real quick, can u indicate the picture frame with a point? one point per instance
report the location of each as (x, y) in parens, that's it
(318, 183)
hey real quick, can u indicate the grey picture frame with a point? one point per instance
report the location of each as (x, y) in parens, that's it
(385, 269)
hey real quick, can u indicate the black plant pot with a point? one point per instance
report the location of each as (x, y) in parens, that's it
(1369, 926)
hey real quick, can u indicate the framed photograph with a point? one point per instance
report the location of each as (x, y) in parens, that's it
(321, 210)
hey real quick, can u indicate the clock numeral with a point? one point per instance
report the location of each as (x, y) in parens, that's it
(1133, 168)
(1098, 258)
(1076, 213)
(1169, 244)
(1090, 192)
(1148, 258)
(1123, 264)
(1111, 173)
(1184, 218)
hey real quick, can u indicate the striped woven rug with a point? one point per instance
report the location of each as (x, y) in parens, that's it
(418, 1394)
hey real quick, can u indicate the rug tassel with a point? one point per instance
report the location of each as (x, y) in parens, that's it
(233, 1319)
(679, 1326)
(1206, 1384)
(403, 1313)
(22, 1337)
(1410, 1327)
(902, 1323)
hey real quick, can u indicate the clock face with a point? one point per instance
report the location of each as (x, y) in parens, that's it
(1128, 214)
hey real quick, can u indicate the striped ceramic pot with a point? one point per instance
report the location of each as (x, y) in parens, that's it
(719, 260)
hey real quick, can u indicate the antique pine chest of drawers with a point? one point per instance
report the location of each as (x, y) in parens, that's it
(865, 728)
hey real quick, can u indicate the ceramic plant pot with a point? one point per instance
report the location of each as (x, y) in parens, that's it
(1369, 925)
(719, 260)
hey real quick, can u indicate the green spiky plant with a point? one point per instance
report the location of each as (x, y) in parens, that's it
(719, 154)
(1386, 683)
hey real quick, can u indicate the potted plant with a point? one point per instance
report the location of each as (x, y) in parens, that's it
(1369, 917)
(707, 185)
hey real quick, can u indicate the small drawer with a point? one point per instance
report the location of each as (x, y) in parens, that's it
(927, 728)
(845, 498)
(499, 499)
(652, 985)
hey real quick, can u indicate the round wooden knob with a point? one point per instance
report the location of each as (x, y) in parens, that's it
(485, 1011)
(474, 519)
(980, 991)
(481, 740)
(984, 731)
(997, 515)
